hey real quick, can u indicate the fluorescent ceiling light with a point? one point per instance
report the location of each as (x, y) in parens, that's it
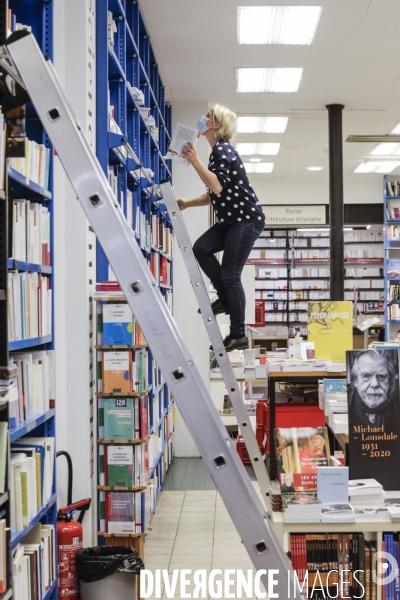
(277, 24)
(262, 124)
(255, 159)
(396, 130)
(347, 229)
(377, 167)
(263, 149)
(368, 227)
(386, 149)
(268, 80)
(314, 168)
(262, 167)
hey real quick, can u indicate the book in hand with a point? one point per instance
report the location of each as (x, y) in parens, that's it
(299, 451)
(183, 134)
(337, 513)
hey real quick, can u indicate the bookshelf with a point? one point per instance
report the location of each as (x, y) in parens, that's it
(391, 200)
(27, 342)
(132, 134)
(292, 268)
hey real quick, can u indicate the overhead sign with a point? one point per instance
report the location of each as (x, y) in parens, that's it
(295, 214)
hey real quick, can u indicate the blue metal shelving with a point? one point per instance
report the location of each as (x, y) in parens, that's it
(38, 14)
(390, 245)
(130, 62)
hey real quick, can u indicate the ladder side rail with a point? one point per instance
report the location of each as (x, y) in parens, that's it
(146, 302)
(214, 333)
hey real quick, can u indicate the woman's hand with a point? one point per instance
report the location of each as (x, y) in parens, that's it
(182, 203)
(190, 153)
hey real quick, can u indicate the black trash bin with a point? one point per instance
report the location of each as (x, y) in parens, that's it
(107, 572)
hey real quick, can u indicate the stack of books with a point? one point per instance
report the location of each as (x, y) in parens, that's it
(337, 513)
(365, 492)
(392, 505)
(301, 508)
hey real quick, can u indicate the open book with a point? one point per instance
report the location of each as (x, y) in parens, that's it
(183, 134)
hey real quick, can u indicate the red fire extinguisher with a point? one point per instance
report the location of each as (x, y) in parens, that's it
(69, 539)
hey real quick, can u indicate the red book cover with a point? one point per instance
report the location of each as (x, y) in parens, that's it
(166, 427)
(163, 270)
(143, 416)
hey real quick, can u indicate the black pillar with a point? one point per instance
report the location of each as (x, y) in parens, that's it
(336, 201)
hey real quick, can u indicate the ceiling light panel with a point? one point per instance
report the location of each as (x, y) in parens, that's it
(277, 24)
(262, 124)
(284, 80)
(265, 149)
(396, 130)
(377, 167)
(262, 167)
(386, 149)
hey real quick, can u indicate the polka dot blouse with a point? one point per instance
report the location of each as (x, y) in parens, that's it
(237, 202)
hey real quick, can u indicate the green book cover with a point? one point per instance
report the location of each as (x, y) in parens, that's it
(120, 466)
(118, 419)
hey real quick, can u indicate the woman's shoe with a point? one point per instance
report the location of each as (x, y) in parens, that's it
(236, 344)
(219, 307)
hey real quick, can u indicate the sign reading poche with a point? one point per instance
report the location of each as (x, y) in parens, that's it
(312, 214)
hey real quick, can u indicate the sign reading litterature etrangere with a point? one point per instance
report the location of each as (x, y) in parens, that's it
(314, 214)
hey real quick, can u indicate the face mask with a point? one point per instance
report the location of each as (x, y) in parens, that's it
(202, 124)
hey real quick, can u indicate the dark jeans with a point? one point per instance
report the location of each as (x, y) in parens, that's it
(236, 240)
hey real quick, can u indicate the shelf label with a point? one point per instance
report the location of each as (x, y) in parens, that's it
(295, 214)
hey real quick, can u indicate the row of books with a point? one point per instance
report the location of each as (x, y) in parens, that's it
(309, 272)
(122, 372)
(34, 564)
(393, 312)
(342, 553)
(274, 256)
(368, 296)
(161, 236)
(31, 476)
(284, 294)
(309, 254)
(30, 232)
(298, 317)
(310, 284)
(33, 390)
(35, 165)
(123, 512)
(268, 273)
(393, 292)
(392, 232)
(29, 302)
(393, 188)
(116, 325)
(267, 242)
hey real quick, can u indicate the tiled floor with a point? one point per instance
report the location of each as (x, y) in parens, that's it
(191, 529)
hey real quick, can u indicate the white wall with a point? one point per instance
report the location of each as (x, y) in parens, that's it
(187, 184)
(74, 265)
(314, 189)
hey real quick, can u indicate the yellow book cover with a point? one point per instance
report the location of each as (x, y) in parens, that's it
(330, 327)
(38, 482)
(24, 498)
(117, 368)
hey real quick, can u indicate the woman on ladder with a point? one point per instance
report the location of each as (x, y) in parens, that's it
(240, 219)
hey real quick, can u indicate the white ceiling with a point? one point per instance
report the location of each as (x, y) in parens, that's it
(354, 60)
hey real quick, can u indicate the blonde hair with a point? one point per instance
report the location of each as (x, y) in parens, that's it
(227, 119)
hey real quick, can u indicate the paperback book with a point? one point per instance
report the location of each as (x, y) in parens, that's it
(119, 419)
(299, 452)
